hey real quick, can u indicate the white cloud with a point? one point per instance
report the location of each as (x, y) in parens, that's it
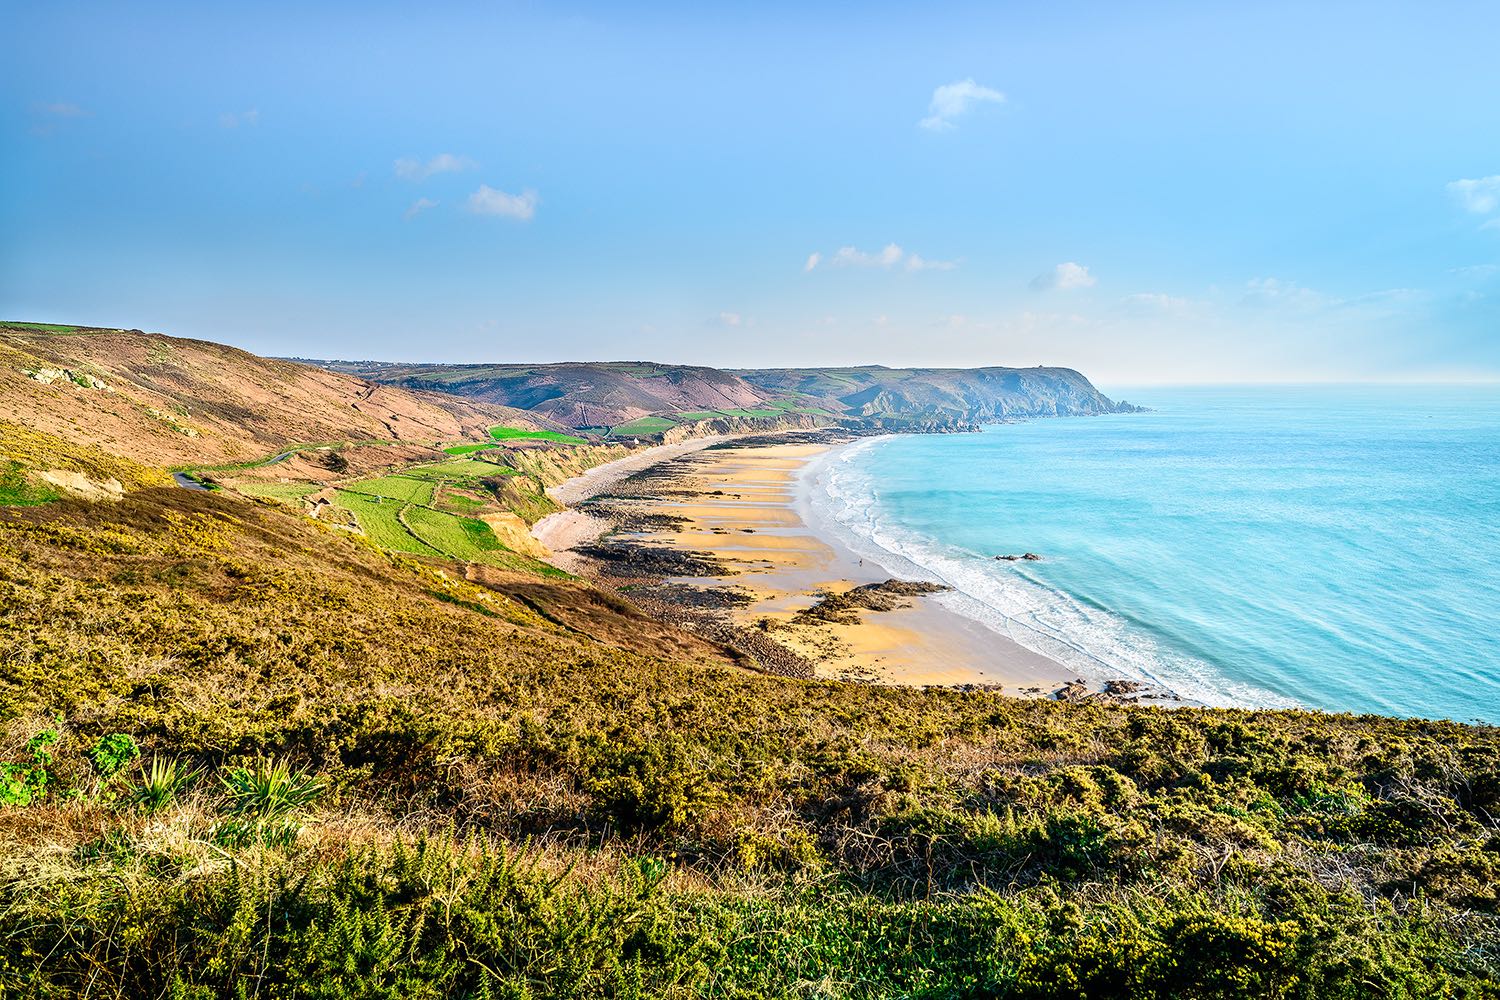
(418, 207)
(1065, 277)
(1276, 292)
(1155, 301)
(410, 169)
(889, 256)
(234, 119)
(1480, 195)
(954, 100)
(1476, 270)
(488, 201)
(730, 319)
(915, 262)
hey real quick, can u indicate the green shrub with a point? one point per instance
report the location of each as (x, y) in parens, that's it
(26, 782)
(111, 753)
(264, 803)
(161, 782)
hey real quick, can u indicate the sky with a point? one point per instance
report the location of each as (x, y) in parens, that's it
(1147, 192)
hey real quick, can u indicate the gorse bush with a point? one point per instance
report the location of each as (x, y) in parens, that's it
(816, 839)
(443, 917)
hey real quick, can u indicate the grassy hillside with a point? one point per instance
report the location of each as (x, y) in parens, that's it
(524, 789)
(641, 399)
(915, 394)
(596, 394)
(245, 752)
(168, 401)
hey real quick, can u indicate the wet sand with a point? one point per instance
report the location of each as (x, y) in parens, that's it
(736, 506)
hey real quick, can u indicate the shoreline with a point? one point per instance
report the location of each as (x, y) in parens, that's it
(714, 536)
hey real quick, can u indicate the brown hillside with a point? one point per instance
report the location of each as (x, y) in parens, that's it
(171, 401)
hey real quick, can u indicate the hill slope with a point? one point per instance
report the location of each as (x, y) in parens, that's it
(169, 401)
(602, 394)
(707, 832)
(617, 393)
(977, 395)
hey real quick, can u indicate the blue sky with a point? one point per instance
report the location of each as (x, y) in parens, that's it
(1146, 192)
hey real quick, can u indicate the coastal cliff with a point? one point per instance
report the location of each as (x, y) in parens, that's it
(649, 400)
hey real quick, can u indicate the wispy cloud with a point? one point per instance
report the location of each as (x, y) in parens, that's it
(418, 207)
(730, 319)
(60, 109)
(234, 119)
(915, 262)
(51, 117)
(1065, 277)
(1155, 302)
(1476, 270)
(1480, 195)
(886, 258)
(412, 169)
(489, 201)
(954, 100)
(1263, 292)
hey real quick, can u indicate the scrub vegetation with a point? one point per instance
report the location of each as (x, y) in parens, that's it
(244, 754)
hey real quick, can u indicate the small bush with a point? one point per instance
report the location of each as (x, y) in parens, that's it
(162, 781)
(111, 753)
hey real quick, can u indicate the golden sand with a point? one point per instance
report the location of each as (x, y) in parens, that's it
(743, 512)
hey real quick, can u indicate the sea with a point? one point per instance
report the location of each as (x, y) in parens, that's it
(1328, 547)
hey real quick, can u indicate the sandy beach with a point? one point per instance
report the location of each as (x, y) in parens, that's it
(728, 513)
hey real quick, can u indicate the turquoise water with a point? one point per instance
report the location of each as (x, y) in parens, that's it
(1330, 547)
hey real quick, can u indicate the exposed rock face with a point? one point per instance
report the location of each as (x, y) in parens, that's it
(1025, 557)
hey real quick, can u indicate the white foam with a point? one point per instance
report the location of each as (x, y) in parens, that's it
(841, 497)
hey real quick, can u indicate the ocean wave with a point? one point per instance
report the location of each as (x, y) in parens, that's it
(841, 497)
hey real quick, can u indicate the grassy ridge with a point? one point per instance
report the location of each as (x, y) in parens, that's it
(709, 832)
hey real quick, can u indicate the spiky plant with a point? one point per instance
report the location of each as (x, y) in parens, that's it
(262, 801)
(160, 783)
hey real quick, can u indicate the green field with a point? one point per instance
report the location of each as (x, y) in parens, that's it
(460, 537)
(463, 501)
(463, 468)
(406, 488)
(775, 408)
(45, 327)
(17, 491)
(381, 524)
(644, 425)
(466, 449)
(520, 433)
